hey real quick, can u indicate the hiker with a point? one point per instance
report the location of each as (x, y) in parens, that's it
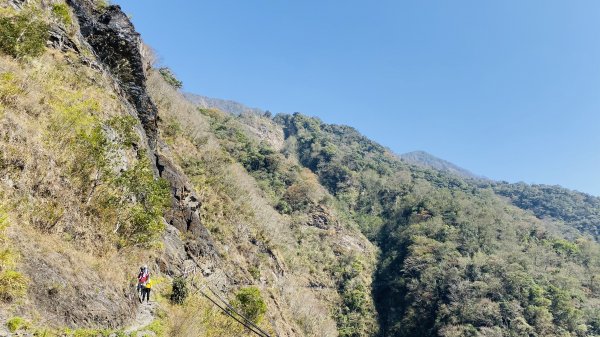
(146, 290)
(143, 277)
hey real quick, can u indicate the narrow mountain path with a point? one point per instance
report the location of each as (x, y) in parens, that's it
(144, 316)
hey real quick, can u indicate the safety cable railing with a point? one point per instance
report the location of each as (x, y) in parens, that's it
(230, 307)
(225, 307)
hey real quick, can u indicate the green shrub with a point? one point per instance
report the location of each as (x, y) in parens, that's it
(61, 11)
(17, 323)
(255, 272)
(23, 35)
(283, 207)
(170, 78)
(250, 303)
(76, 130)
(180, 290)
(7, 259)
(3, 221)
(9, 89)
(102, 4)
(12, 285)
(124, 126)
(142, 221)
(172, 128)
(157, 327)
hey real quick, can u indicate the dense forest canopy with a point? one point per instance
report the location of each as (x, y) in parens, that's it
(456, 259)
(576, 209)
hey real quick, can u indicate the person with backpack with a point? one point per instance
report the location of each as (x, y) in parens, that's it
(143, 277)
(146, 290)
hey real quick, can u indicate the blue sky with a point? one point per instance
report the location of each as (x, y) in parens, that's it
(508, 89)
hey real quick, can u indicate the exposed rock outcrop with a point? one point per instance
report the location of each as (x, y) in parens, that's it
(321, 218)
(59, 39)
(184, 212)
(118, 46)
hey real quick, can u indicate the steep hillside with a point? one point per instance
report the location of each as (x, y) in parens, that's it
(105, 167)
(456, 260)
(575, 209)
(301, 256)
(77, 186)
(305, 228)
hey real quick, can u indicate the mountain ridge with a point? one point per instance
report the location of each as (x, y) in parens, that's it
(426, 159)
(230, 106)
(307, 229)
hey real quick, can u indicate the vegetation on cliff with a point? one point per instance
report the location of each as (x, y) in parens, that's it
(309, 229)
(455, 259)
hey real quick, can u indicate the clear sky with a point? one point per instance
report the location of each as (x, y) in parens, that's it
(509, 89)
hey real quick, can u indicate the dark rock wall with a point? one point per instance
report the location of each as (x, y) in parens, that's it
(118, 46)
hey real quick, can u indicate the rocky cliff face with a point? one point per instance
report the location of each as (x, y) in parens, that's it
(94, 68)
(75, 192)
(118, 46)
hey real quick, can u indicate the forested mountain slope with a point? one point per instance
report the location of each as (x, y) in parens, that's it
(575, 209)
(306, 228)
(456, 260)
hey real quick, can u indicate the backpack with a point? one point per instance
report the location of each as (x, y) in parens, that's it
(143, 277)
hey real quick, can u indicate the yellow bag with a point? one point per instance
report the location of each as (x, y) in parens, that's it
(149, 284)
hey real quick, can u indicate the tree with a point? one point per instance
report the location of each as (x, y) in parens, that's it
(251, 304)
(170, 78)
(23, 35)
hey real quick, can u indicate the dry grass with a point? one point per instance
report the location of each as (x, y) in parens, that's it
(67, 240)
(13, 284)
(67, 248)
(199, 317)
(291, 262)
